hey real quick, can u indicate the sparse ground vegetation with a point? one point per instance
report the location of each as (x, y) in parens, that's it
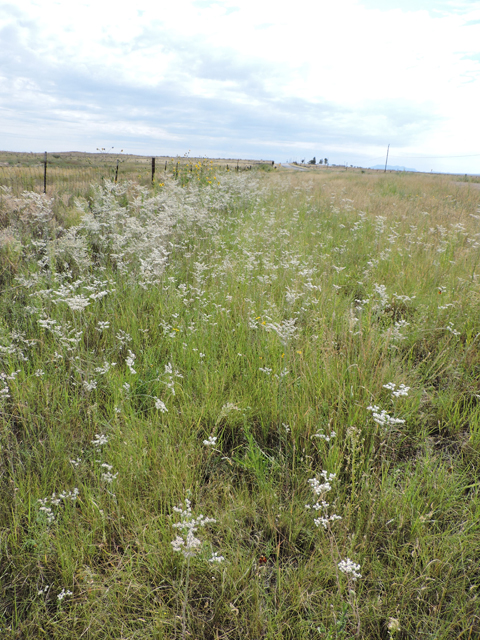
(241, 406)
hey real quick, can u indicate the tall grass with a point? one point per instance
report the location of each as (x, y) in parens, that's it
(235, 350)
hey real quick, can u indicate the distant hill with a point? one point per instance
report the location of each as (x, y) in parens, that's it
(392, 167)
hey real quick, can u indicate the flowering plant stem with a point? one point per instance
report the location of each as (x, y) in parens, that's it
(185, 600)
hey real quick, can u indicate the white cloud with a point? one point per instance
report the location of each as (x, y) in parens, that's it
(351, 75)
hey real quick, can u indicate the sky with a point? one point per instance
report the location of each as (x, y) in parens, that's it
(258, 79)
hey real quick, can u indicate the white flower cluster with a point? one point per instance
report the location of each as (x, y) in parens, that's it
(123, 338)
(63, 594)
(188, 544)
(5, 391)
(100, 440)
(108, 476)
(228, 408)
(54, 501)
(172, 373)
(130, 361)
(322, 436)
(450, 328)
(286, 331)
(350, 568)
(381, 291)
(320, 489)
(211, 442)
(67, 336)
(266, 370)
(397, 393)
(216, 558)
(160, 405)
(381, 417)
(106, 367)
(396, 334)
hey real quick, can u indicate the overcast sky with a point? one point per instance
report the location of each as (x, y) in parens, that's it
(259, 79)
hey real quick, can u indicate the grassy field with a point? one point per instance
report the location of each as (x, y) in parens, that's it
(241, 405)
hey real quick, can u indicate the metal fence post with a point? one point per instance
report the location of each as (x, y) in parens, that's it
(45, 174)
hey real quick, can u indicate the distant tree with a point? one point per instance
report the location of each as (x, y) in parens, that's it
(326, 160)
(312, 161)
(303, 161)
(320, 161)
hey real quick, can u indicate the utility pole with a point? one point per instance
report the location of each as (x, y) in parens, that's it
(386, 160)
(45, 174)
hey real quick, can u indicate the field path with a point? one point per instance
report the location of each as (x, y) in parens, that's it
(287, 165)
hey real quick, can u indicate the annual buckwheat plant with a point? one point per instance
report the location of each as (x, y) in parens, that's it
(189, 545)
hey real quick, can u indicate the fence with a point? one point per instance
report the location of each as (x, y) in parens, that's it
(75, 173)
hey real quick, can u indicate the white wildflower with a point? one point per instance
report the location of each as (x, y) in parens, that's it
(109, 477)
(160, 405)
(393, 625)
(320, 489)
(216, 558)
(106, 367)
(100, 440)
(130, 361)
(381, 417)
(397, 393)
(453, 331)
(188, 544)
(211, 442)
(123, 338)
(322, 436)
(229, 407)
(76, 303)
(54, 501)
(286, 331)
(63, 594)
(349, 567)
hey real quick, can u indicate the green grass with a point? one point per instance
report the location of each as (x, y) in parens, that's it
(379, 274)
